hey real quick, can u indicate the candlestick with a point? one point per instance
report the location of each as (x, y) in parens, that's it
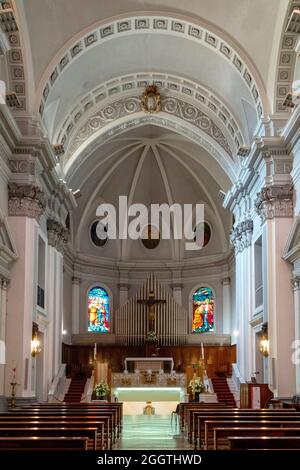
(202, 351)
(14, 371)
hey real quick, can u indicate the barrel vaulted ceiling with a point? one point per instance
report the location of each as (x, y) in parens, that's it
(88, 59)
(221, 68)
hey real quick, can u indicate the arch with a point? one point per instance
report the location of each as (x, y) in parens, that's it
(197, 30)
(203, 309)
(171, 84)
(174, 123)
(98, 309)
(282, 74)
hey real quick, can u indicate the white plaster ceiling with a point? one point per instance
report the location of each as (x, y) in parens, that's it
(76, 46)
(51, 23)
(149, 165)
(179, 56)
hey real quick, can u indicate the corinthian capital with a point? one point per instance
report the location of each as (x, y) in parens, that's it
(58, 235)
(241, 235)
(275, 201)
(26, 200)
(296, 282)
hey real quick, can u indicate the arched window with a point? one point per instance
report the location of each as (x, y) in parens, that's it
(203, 310)
(98, 310)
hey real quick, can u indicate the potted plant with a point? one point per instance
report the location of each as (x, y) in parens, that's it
(101, 390)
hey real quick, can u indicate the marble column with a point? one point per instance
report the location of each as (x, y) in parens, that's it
(226, 295)
(21, 307)
(275, 206)
(296, 346)
(57, 238)
(3, 313)
(241, 238)
(26, 203)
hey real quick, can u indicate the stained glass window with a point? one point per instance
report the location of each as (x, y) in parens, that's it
(98, 310)
(203, 310)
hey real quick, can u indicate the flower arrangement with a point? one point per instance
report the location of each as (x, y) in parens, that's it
(151, 337)
(101, 389)
(196, 385)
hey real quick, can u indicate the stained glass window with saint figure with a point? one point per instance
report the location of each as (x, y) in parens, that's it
(203, 310)
(98, 310)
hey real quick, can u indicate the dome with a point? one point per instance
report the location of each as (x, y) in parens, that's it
(150, 165)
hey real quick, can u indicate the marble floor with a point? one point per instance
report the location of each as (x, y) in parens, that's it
(150, 433)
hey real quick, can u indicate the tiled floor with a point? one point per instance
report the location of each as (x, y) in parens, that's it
(150, 432)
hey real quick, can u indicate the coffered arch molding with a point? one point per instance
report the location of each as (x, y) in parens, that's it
(194, 29)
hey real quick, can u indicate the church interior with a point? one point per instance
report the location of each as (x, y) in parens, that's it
(116, 342)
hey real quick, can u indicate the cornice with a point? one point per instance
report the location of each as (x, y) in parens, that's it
(261, 151)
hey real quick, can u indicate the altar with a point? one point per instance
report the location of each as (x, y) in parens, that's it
(155, 364)
(149, 379)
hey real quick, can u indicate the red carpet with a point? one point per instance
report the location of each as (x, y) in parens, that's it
(75, 391)
(223, 392)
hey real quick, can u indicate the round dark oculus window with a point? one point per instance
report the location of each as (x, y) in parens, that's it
(98, 233)
(150, 237)
(206, 234)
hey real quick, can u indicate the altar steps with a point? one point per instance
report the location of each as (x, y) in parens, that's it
(223, 392)
(75, 390)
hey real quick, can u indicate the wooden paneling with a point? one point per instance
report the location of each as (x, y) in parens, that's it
(218, 358)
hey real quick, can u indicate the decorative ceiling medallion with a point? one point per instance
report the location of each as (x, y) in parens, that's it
(150, 100)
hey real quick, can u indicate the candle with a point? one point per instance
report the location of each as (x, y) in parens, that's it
(202, 351)
(95, 352)
(14, 371)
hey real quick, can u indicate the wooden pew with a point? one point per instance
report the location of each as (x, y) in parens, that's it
(193, 413)
(250, 415)
(116, 408)
(89, 433)
(103, 441)
(183, 407)
(264, 442)
(250, 431)
(108, 418)
(43, 443)
(58, 411)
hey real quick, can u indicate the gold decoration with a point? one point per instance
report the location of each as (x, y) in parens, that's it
(150, 100)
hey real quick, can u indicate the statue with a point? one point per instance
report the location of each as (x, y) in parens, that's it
(151, 302)
(149, 409)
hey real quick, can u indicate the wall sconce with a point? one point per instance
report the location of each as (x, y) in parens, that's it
(264, 344)
(35, 344)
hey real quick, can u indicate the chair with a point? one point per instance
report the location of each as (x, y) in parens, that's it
(175, 414)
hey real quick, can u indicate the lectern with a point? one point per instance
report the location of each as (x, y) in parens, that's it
(254, 395)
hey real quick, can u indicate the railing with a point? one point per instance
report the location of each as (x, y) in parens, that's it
(237, 378)
(57, 389)
(153, 380)
(88, 390)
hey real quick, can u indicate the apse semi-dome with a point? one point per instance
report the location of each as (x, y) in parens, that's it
(150, 166)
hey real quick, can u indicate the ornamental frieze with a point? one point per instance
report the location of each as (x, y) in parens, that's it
(131, 105)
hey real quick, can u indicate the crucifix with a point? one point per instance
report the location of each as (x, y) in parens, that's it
(151, 302)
